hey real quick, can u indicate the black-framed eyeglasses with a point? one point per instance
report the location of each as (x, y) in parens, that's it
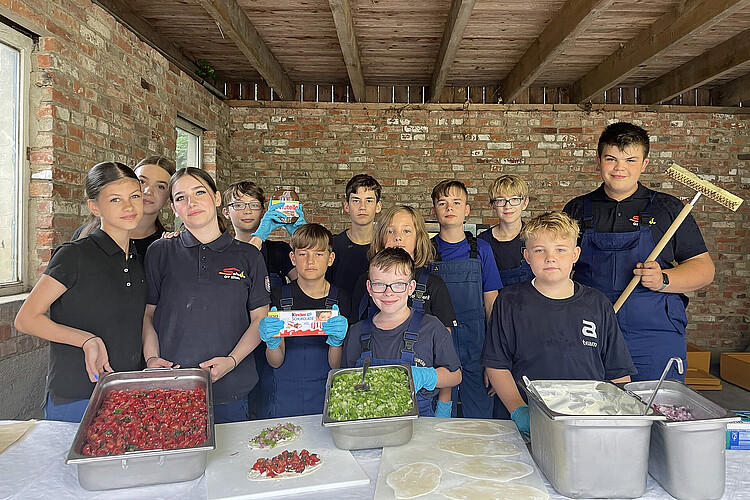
(501, 202)
(240, 206)
(398, 287)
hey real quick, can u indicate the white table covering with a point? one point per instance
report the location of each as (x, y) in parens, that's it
(35, 467)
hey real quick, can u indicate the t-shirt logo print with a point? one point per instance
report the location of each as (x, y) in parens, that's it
(232, 273)
(589, 329)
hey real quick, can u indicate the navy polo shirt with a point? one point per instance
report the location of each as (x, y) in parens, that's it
(106, 296)
(612, 216)
(203, 295)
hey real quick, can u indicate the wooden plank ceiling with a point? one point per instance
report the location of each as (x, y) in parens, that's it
(661, 48)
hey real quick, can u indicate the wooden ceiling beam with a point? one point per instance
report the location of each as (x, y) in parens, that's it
(120, 10)
(712, 64)
(568, 23)
(236, 25)
(732, 93)
(458, 18)
(342, 18)
(674, 27)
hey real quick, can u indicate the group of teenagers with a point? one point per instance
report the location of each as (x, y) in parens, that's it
(470, 315)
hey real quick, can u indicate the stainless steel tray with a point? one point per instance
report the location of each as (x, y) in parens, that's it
(687, 457)
(371, 432)
(140, 468)
(590, 456)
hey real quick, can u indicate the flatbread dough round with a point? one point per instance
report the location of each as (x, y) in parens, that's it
(254, 475)
(493, 490)
(492, 468)
(473, 428)
(473, 446)
(414, 480)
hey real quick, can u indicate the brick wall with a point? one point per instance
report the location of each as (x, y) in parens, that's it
(97, 93)
(408, 148)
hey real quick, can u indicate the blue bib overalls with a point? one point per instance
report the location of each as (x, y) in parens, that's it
(464, 281)
(411, 337)
(297, 387)
(652, 323)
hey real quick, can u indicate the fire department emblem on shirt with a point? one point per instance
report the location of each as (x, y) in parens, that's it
(232, 273)
(637, 218)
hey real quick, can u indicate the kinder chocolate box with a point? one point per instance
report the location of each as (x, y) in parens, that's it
(303, 322)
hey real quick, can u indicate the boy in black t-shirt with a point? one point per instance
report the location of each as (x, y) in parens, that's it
(244, 206)
(509, 197)
(295, 382)
(350, 246)
(551, 327)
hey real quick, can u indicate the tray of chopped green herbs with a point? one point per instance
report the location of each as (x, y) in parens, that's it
(391, 394)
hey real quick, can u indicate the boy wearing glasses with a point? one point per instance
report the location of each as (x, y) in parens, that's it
(551, 327)
(244, 206)
(468, 268)
(398, 334)
(509, 197)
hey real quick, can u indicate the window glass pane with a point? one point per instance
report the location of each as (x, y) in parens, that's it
(188, 149)
(9, 162)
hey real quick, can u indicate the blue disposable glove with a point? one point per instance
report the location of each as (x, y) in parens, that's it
(424, 377)
(291, 228)
(270, 221)
(443, 409)
(336, 329)
(521, 418)
(270, 327)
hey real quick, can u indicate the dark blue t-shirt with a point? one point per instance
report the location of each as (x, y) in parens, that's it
(349, 264)
(434, 348)
(203, 295)
(461, 251)
(577, 338)
(508, 254)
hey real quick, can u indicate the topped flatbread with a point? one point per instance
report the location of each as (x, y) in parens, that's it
(473, 428)
(414, 480)
(492, 490)
(473, 446)
(285, 465)
(278, 435)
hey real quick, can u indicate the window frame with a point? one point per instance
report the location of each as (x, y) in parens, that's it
(194, 130)
(24, 45)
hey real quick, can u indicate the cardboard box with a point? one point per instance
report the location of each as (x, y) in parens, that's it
(735, 368)
(738, 433)
(700, 380)
(304, 322)
(699, 358)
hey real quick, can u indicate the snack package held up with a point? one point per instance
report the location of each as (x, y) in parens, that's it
(303, 322)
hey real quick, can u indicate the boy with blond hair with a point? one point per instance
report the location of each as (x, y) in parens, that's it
(509, 197)
(551, 327)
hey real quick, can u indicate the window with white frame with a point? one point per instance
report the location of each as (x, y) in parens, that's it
(15, 50)
(189, 144)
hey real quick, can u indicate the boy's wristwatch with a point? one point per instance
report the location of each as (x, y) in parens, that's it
(664, 280)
